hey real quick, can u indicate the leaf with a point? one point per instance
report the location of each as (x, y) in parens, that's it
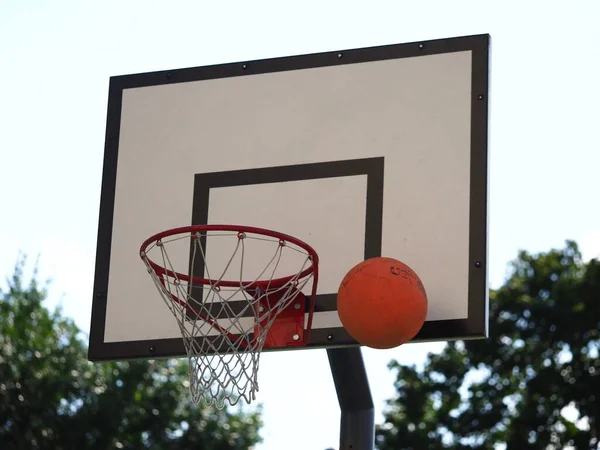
(512, 388)
(52, 397)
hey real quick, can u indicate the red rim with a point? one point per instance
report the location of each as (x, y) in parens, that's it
(236, 228)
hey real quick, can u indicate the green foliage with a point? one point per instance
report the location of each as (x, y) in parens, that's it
(52, 397)
(534, 384)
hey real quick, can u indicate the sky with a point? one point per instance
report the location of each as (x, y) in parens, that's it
(56, 58)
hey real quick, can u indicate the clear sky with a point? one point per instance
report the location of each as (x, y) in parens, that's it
(56, 58)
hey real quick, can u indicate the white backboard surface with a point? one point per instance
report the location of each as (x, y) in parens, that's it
(368, 152)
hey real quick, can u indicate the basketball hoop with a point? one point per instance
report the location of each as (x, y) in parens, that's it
(243, 290)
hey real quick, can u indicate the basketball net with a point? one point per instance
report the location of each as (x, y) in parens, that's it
(225, 312)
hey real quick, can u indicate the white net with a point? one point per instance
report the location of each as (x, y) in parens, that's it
(233, 288)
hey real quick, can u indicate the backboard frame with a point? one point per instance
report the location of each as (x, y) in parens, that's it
(474, 326)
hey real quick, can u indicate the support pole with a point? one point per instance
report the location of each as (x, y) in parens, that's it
(357, 425)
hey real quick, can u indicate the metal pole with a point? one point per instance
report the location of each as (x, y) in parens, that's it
(357, 425)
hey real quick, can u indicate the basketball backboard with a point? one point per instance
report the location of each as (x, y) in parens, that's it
(360, 153)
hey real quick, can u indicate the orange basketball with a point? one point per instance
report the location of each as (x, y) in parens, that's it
(382, 303)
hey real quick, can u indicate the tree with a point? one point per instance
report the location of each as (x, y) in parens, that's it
(52, 397)
(534, 384)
